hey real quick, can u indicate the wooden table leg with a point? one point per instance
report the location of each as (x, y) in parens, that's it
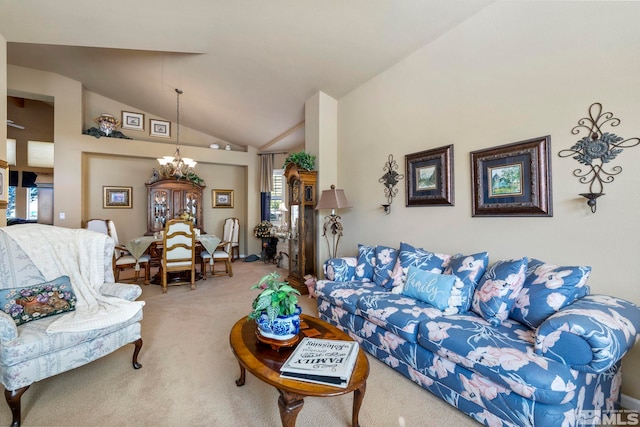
(240, 381)
(358, 397)
(290, 404)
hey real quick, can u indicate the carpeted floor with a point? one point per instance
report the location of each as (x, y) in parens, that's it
(189, 372)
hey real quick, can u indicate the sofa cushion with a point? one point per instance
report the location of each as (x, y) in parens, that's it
(345, 294)
(386, 258)
(440, 290)
(548, 288)
(340, 269)
(497, 291)
(396, 313)
(410, 256)
(35, 302)
(469, 269)
(502, 354)
(366, 263)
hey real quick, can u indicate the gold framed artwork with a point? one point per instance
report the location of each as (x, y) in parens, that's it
(4, 184)
(222, 198)
(116, 197)
(161, 128)
(133, 121)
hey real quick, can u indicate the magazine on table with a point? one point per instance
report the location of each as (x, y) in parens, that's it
(322, 361)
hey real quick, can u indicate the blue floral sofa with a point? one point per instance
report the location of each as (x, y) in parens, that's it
(59, 305)
(521, 342)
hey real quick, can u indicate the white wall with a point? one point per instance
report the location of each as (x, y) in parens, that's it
(516, 71)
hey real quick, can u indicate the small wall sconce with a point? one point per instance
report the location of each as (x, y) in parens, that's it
(595, 150)
(390, 179)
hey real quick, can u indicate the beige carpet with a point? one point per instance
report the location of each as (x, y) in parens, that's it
(189, 372)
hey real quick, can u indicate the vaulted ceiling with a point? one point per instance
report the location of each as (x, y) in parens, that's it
(246, 67)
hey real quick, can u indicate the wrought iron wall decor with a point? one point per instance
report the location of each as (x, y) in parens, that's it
(595, 149)
(390, 179)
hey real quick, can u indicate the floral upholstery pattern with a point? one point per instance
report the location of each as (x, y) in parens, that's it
(366, 263)
(409, 256)
(498, 289)
(551, 288)
(469, 269)
(27, 352)
(340, 269)
(564, 374)
(386, 258)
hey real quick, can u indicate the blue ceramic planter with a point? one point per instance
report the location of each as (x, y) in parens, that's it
(282, 328)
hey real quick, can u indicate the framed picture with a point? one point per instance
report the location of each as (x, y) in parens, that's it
(116, 197)
(161, 128)
(513, 179)
(4, 184)
(222, 198)
(134, 121)
(430, 177)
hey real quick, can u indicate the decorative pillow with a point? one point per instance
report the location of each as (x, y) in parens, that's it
(409, 256)
(366, 263)
(386, 258)
(38, 301)
(498, 289)
(340, 269)
(548, 288)
(469, 269)
(439, 290)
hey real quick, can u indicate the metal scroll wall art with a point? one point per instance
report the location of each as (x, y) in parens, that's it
(390, 179)
(596, 150)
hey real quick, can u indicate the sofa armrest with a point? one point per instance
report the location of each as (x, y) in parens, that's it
(340, 269)
(590, 335)
(8, 328)
(121, 290)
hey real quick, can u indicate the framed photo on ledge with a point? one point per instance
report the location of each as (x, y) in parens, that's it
(222, 198)
(512, 179)
(430, 177)
(134, 121)
(161, 128)
(116, 197)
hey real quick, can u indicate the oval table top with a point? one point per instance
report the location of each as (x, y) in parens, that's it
(264, 362)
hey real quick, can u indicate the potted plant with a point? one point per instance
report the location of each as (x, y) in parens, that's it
(275, 309)
(301, 159)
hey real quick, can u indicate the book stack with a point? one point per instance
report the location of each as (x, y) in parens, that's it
(322, 361)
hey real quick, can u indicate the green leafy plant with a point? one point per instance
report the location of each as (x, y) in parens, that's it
(302, 160)
(276, 299)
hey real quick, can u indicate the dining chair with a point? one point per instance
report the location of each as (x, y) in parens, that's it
(122, 259)
(222, 254)
(179, 251)
(231, 233)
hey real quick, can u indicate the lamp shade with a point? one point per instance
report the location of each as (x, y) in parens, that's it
(333, 199)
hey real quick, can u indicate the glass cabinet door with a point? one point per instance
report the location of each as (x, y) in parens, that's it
(294, 241)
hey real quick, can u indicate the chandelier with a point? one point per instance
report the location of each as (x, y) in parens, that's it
(176, 166)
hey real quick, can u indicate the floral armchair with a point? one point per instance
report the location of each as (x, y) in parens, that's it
(48, 324)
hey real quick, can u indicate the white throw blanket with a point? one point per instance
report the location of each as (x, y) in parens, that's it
(79, 254)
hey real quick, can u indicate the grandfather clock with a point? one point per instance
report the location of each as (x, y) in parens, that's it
(301, 192)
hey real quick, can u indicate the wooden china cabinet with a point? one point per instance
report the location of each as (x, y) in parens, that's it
(301, 192)
(168, 199)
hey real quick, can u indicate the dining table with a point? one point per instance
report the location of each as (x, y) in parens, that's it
(152, 245)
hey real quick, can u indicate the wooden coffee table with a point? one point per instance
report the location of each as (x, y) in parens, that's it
(264, 363)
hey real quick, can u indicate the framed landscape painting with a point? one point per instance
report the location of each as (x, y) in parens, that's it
(430, 177)
(513, 179)
(116, 197)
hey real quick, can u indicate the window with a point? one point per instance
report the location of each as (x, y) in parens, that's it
(11, 152)
(40, 154)
(11, 203)
(32, 203)
(277, 197)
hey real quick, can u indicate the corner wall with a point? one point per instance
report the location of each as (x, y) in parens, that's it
(515, 71)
